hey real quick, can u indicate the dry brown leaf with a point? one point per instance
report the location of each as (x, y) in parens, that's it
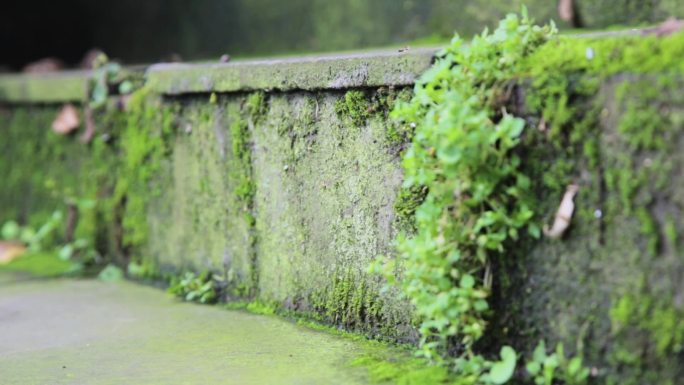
(66, 121)
(668, 27)
(46, 65)
(542, 125)
(10, 251)
(564, 213)
(566, 10)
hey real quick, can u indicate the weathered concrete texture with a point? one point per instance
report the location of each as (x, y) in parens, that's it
(89, 332)
(289, 198)
(196, 222)
(49, 88)
(324, 204)
(372, 69)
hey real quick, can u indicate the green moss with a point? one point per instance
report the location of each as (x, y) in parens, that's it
(403, 370)
(44, 172)
(607, 56)
(239, 132)
(671, 233)
(252, 112)
(144, 144)
(350, 303)
(408, 200)
(657, 316)
(42, 264)
(626, 177)
(649, 229)
(256, 106)
(398, 133)
(386, 362)
(354, 106)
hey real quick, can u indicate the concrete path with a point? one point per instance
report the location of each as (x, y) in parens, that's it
(89, 332)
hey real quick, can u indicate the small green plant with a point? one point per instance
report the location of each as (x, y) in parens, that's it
(477, 202)
(35, 240)
(201, 288)
(111, 273)
(549, 369)
(46, 254)
(106, 73)
(46, 239)
(143, 270)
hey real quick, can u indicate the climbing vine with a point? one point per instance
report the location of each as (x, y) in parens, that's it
(478, 201)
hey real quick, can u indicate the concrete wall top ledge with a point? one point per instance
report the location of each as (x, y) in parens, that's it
(65, 86)
(333, 71)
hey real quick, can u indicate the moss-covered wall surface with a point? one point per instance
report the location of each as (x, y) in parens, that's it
(289, 195)
(611, 288)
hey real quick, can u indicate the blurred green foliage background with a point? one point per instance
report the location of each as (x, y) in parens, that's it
(152, 30)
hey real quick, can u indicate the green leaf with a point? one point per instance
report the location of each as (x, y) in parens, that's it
(126, 87)
(99, 95)
(533, 368)
(517, 127)
(454, 256)
(10, 230)
(503, 370)
(539, 354)
(574, 366)
(534, 230)
(66, 252)
(481, 305)
(467, 281)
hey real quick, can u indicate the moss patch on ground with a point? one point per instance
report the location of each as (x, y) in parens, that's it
(42, 265)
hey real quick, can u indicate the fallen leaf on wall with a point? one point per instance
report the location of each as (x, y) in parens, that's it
(564, 214)
(9, 251)
(668, 27)
(66, 121)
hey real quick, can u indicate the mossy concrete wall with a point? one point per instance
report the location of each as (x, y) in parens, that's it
(288, 188)
(279, 175)
(321, 210)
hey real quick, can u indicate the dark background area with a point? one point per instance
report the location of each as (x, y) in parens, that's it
(139, 31)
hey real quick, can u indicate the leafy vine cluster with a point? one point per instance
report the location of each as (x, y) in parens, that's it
(478, 203)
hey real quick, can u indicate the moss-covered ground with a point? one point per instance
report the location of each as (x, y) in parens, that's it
(74, 332)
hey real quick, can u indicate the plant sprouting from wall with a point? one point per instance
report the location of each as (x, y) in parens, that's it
(106, 74)
(478, 201)
(477, 204)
